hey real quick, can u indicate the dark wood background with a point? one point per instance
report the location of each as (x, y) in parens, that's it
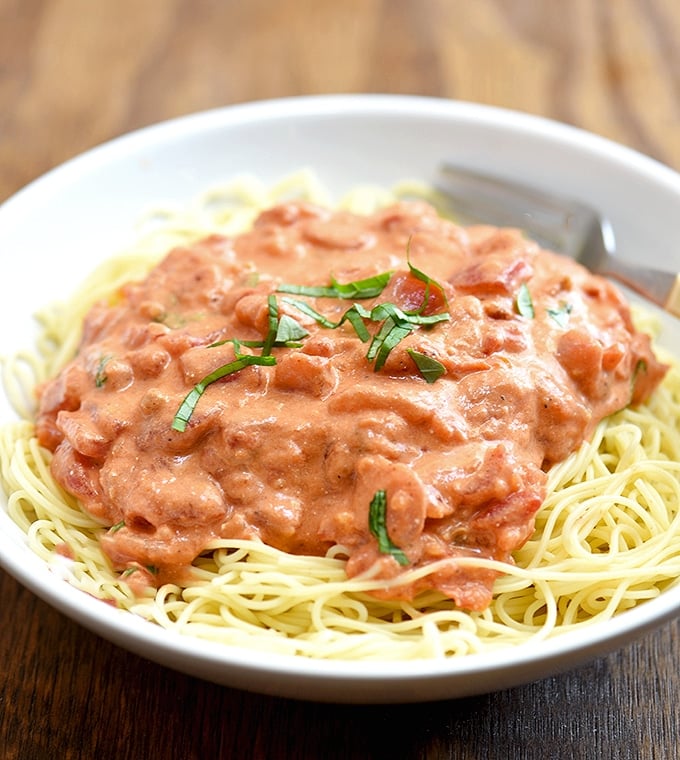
(74, 73)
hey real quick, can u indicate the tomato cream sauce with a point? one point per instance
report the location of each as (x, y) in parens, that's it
(292, 454)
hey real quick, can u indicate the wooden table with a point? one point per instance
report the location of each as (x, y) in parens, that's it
(74, 73)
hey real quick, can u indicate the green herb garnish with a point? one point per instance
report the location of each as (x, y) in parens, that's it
(525, 306)
(187, 407)
(389, 336)
(355, 315)
(366, 288)
(561, 315)
(429, 282)
(129, 570)
(429, 368)
(283, 331)
(289, 332)
(100, 376)
(396, 325)
(640, 369)
(273, 325)
(377, 523)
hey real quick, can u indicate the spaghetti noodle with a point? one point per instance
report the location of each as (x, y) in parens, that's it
(607, 537)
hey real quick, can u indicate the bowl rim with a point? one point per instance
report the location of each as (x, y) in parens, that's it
(107, 621)
(343, 104)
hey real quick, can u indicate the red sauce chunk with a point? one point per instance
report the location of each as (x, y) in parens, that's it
(530, 352)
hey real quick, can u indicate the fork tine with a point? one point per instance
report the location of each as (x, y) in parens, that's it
(556, 223)
(561, 224)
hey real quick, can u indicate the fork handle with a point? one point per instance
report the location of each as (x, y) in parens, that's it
(663, 288)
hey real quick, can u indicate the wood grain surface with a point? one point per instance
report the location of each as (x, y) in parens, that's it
(74, 73)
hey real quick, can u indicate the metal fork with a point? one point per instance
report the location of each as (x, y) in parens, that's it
(560, 224)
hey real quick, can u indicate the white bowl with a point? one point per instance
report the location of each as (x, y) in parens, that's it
(86, 209)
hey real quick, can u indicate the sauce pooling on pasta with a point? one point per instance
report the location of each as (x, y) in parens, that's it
(433, 448)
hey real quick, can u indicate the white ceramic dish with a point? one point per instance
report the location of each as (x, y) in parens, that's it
(86, 210)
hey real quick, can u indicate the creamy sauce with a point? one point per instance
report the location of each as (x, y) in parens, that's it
(293, 454)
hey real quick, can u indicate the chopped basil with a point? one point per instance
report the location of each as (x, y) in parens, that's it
(561, 315)
(354, 315)
(525, 305)
(389, 336)
(396, 325)
(187, 407)
(377, 523)
(128, 571)
(429, 368)
(429, 282)
(283, 331)
(640, 369)
(100, 376)
(115, 528)
(317, 316)
(389, 310)
(366, 288)
(289, 331)
(273, 323)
